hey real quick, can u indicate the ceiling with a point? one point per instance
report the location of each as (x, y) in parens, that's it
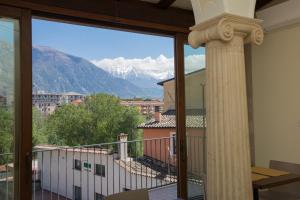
(186, 4)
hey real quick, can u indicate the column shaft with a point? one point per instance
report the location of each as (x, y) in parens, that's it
(228, 150)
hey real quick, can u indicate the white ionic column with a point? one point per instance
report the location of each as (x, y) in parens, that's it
(228, 148)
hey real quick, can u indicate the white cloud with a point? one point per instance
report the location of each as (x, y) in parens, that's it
(194, 62)
(159, 68)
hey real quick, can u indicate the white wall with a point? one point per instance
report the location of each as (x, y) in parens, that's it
(54, 176)
(276, 96)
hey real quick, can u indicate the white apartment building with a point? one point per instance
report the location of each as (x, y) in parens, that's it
(145, 107)
(88, 173)
(48, 102)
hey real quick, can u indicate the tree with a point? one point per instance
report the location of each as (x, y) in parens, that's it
(110, 119)
(7, 130)
(6, 134)
(100, 119)
(38, 134)
(69, 125)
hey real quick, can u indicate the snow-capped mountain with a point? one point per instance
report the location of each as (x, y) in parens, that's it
(56, 71)
(145, 72)
(157, 68)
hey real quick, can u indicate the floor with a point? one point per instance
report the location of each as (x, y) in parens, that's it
(170, 192)
(46, 195)
(162, 193)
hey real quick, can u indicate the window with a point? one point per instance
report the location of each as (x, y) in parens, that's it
(77, 193)
(77, 164)
(87, 166)
(100, 170)
(173, 144)
(99, 196)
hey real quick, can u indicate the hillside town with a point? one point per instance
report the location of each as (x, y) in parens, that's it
(47, 103)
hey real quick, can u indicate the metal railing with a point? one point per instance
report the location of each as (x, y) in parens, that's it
(95, 171)
(6, 176)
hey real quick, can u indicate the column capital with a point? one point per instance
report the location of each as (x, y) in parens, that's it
(224, 28)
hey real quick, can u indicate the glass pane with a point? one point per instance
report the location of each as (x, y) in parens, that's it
(195, 117)
(111, 107)
(9, 37)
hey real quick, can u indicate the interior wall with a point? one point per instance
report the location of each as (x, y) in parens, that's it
(276, 96)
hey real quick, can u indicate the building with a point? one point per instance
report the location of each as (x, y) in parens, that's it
(85, 173)
(77, 102)
(163, 125)
(48, 102)
(69, 97)
(145, 107)
(194, 90)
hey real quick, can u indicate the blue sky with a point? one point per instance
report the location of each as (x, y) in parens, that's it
(116, 50)
(97, 43)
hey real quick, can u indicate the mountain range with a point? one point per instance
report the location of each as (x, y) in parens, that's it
(7, 78)
(142, 78)
(57, 72)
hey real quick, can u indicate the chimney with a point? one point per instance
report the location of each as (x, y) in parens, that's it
(157, 114)
(123, 147)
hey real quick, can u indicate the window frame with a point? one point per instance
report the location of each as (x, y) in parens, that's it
(101, 170)
(70, 15)
(75, 190)
(173, 147)
(76, 166)
(88, 167)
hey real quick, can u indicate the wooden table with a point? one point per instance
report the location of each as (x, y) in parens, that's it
(263, 178)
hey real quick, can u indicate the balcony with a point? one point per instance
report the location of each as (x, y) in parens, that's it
(95, 171)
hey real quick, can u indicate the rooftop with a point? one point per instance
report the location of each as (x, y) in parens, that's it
(78, 149)
(148, 102)
(188, 74)
(58, 94)
(195, 118)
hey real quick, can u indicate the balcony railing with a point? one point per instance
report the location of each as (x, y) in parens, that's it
(95, 171)
(6, 176)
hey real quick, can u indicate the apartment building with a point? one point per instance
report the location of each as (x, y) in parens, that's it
(145, 107)
(48, 102)
(92, 172)
(163, 124)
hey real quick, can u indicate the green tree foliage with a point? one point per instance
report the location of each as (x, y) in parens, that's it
(100, 119)
(38, 125)
(7, 130)
(69, 125)
(6, 133)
